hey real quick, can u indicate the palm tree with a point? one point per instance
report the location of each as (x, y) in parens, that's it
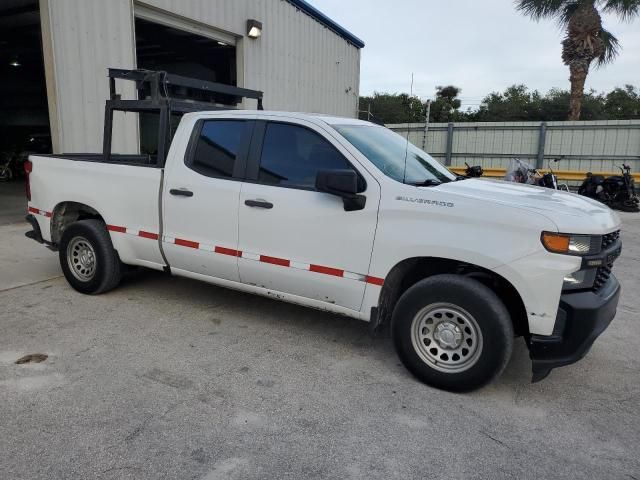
(586, 41)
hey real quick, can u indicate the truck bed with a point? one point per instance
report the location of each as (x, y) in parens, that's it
(123, 192)
(118, 159)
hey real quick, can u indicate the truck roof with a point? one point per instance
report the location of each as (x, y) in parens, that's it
(313, 117)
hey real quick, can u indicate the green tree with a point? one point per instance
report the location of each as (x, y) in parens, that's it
(515, 104)
(446, 106)
(404, 108)
(585, 41)
(393, 108)
(518, 104)
(553, 106)
(622, 103)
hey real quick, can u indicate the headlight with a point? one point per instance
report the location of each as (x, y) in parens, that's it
(579, 280)
(571, 244)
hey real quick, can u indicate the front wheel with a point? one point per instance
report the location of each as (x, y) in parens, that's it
(628, 206)
(452, 332)
(88, 259)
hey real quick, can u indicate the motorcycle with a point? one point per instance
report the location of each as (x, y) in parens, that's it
(550, 179)
(616, 191)
(13, 159)
(473, 172)
(520, 171)
(7, 167)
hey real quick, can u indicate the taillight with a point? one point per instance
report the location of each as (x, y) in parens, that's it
(28, 168)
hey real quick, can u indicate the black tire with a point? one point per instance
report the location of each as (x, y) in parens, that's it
(629, 206)
(480, 311)
(107, 270)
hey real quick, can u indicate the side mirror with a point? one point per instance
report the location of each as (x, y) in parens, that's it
(337, 182)
(342, 183)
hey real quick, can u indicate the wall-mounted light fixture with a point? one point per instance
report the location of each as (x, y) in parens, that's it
(254, 28)
(15, 63)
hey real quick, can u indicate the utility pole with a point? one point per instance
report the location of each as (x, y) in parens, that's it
(426, 125)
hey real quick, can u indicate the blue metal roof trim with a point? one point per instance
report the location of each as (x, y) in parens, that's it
(327, 22)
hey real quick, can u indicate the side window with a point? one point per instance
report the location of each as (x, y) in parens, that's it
(216, 150)
(292, 156)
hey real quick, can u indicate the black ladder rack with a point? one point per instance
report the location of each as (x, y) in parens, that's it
(166, 94)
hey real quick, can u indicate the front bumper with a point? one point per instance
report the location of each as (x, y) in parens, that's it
(582, 317)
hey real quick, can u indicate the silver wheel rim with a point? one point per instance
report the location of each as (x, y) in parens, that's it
(446, 337)
(81, 258)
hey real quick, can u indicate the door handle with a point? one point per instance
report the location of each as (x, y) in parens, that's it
(259, 204)
(181, 193)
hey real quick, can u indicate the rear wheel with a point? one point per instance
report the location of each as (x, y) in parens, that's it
(452, 332)
(88, 259)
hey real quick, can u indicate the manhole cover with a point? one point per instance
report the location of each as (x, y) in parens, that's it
(32, 358)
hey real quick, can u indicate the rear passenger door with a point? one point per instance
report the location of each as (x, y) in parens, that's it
(293, 238)
(201, 199)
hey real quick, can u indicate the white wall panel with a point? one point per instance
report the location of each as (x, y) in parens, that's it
(596, 146)
(300, 64)
(86, 38)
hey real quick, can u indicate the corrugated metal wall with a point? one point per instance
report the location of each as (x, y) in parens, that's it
(86, 37)
(584, 146)
(299, 63)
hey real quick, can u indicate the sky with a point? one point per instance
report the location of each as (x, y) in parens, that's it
(480, 46)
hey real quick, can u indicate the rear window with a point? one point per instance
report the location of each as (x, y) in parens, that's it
(216, 151)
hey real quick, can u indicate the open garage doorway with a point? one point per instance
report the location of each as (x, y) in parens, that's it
(24, 117)
(165, 46)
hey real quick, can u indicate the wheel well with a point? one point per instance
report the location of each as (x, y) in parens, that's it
(67, 213)
(410, 271)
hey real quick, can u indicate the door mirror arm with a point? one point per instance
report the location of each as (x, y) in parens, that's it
(344, 184)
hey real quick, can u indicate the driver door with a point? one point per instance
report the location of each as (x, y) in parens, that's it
(293, 238)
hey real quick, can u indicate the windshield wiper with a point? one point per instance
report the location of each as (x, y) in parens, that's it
(426, 183)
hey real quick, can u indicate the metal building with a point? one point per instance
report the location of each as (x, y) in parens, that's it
(55, 55)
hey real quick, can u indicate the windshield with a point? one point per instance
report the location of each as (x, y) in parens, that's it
(387, 151)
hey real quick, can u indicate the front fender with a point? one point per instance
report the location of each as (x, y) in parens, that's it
(538, 278)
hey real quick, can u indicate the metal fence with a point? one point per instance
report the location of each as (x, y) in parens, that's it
(596, 146)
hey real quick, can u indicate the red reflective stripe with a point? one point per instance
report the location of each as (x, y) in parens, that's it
(34, 210)
(48, 214)
(326, 270)
(374, 280)
(152, 236)
(116, 228)
(186, 243)
(283, 262)
(228, 251)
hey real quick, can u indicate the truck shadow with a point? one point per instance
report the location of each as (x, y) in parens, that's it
(242, 310)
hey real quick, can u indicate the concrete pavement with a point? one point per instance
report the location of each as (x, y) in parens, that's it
(22, 260)
(13, 202)
(170, 378)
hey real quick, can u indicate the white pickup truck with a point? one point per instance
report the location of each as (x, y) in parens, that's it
(345, 216)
